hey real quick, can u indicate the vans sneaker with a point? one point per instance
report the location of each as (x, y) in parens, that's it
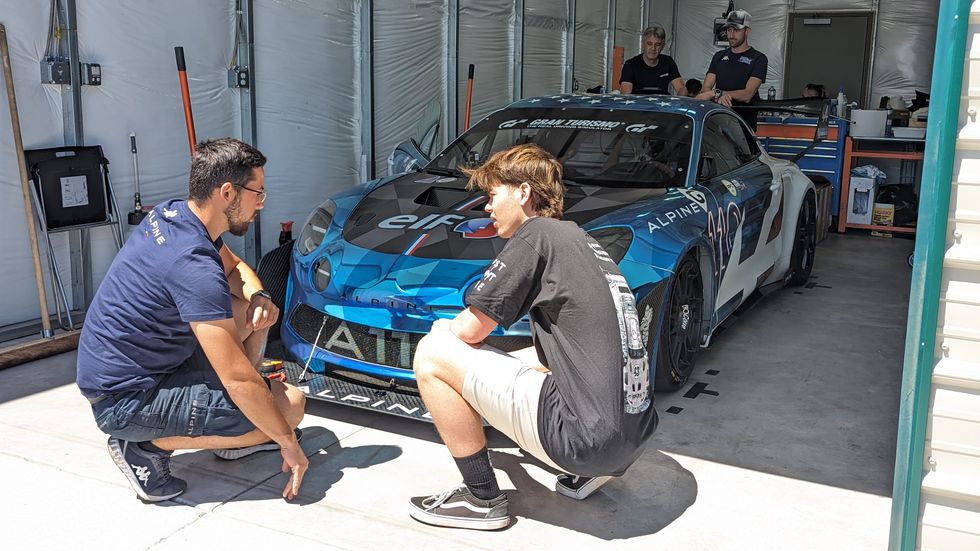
(579, 487)
(238, 453)
(458, 508)
(148, 472)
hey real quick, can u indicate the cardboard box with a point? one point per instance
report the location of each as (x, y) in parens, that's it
(860, 200)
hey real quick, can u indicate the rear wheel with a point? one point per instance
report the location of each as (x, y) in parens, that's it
(805, 242)
(680, 334)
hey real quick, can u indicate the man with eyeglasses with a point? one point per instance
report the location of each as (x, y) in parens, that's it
(651, 72)
(168, 353)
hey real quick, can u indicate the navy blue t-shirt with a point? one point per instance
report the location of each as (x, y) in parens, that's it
(137, 330)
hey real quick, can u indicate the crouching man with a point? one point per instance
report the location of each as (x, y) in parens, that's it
(168, 352)
(579, 400)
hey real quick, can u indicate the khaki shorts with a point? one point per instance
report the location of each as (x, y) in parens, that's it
(506, 393)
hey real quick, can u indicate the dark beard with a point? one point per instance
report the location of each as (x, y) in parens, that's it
(233, 212)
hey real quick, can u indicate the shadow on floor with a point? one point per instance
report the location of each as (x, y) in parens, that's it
(37, 376)
(657, 485)
(327, 465)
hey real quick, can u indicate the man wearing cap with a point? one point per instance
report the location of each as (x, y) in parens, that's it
(736, 73)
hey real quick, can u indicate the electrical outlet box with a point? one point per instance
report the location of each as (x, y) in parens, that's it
(92, 74)
(238, 77)
(55, 72)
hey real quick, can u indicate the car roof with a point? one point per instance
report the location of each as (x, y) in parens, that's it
(663, 104)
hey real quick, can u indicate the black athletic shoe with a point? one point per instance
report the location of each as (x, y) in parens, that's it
(238, 453)
(458, 508)
(579, 487)
(148, 472)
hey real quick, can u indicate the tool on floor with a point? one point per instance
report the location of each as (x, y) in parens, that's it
(138, 213)
(186, 95)
(8, 78)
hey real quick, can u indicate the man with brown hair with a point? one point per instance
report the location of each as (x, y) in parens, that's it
(579, 400)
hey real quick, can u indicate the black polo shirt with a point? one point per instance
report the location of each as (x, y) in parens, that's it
(650, 80)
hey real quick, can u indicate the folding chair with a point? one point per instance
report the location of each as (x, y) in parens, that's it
(71, 191)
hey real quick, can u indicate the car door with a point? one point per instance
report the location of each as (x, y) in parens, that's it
(747, 201)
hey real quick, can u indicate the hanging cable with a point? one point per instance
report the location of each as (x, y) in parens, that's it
(239, 33)
(52, 51)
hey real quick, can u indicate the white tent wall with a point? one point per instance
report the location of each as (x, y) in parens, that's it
(40, 114)
(545, 24)
(629, 27)
(307, 91)
(409, 54)
(906, 33)
(486, 39)
(591, 17)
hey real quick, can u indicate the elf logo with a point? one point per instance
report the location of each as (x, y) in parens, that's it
(413, 222)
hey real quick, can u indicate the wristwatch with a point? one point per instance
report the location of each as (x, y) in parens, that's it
(261, 293)
(718, 92)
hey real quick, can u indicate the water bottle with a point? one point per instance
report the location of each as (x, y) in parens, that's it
(771, 94)
(841, 103)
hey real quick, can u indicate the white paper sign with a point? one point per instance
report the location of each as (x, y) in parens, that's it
(74, 191)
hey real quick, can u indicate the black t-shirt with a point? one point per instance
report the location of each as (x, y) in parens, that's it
(647, 79)
(596, 409)
(732, 72)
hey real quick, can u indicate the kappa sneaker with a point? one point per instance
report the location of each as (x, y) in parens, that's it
(579, 487)
(238, 453)
(458, 508)
(148, 472)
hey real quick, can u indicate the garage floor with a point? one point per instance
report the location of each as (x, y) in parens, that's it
(784, 439)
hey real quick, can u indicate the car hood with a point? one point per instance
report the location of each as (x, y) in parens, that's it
(428, 216)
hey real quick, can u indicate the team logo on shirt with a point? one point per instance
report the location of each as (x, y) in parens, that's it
(724, 58)
(169, 213)
(476, 228)
(745, 60)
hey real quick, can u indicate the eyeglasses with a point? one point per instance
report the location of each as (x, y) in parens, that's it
(262, 194)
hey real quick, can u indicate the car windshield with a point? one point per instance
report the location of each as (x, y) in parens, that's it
(600, 147)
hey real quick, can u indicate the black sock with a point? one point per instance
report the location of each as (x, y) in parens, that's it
(149, 447)
(478, 474)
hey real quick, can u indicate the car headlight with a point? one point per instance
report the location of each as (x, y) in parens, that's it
(321, 274)
(316, 227)
(615, 241)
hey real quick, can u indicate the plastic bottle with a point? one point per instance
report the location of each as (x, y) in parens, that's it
(841, 102)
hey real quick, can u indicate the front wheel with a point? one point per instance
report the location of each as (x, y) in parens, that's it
(680, 333)
(804, 243)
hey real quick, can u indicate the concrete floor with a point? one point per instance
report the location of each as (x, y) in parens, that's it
(790, 445)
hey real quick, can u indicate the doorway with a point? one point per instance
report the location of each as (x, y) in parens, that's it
(829, 48)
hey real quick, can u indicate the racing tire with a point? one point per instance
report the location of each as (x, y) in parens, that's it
(804, 242)
(680, 333)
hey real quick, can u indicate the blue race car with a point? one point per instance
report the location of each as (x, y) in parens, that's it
(677, 191)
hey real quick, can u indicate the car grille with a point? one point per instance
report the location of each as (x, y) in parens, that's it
(371, 344)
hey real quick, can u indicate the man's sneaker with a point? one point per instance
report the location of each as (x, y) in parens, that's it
(238, 453)
(148, 472)
(579, 487)
(458, 508)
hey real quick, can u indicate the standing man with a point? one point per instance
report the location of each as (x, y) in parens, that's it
(651, 72)
(579, 400)
(169, 349)
(736, 73)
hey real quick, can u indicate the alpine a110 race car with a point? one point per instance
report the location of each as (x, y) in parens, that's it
(677, 191)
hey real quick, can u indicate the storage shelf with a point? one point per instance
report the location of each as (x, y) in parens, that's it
(851, 153)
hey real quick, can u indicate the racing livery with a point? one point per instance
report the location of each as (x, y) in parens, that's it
(676, 191)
